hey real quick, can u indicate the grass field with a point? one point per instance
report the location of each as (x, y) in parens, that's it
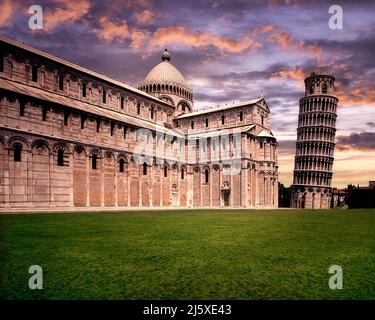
(217, 254)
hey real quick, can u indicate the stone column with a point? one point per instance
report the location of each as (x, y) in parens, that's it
(51, 197)
(102, 159)
(244, 173)
(6, 177)
(71, 169)
(116, 180)
(87, 169)
(210, 186)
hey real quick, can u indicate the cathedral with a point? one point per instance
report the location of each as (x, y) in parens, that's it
(73, 138)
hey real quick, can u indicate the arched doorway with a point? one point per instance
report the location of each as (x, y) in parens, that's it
(225, 191)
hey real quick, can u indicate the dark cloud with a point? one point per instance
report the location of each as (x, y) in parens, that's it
(251, 75)
(371, 124)
(287, 147)
(360, 141)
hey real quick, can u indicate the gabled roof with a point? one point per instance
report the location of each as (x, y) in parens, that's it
(265, 134)
(80, 69)
(221, 108)
(84, 106)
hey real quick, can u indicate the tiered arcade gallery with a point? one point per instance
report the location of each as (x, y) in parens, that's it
(73, 138)
(315, 144)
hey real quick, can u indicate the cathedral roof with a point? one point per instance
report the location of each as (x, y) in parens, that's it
(79, 68)
(85, 106)
(215, 109)
(221, 132)
(165, 73)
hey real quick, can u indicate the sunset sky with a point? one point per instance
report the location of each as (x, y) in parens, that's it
(228, 51)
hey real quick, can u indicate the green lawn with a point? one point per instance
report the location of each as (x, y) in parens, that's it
(206, 254)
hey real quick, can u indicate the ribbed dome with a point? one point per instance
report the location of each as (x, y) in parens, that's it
(165, 73)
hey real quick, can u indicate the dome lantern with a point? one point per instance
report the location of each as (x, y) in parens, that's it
(166, 56)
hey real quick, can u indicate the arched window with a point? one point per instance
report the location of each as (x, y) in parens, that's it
(121, 165)
(182, 173)
(1, 62)
(145, 169)
(22, 107)
(84, 89)
(206, 122)
(324, 88)
(122, 102)
(60, 157)
(222, 119)
(165, 171)
(241, 116)
(138, 108)
(61, 82)
(192, 124)
(104, 96)
(34, 73)
(17, 152)
(94, 161)
(206, 176)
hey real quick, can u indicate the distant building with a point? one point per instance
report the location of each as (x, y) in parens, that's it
(339, 197)
(284, 196)
(361, 197)
(315, 144)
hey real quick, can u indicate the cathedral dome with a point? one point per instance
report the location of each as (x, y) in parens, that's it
(165, 73)
(166, 78)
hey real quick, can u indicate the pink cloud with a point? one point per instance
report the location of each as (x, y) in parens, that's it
(144, 17)
(66, 11)
(286, 41)
(181, 36)
(109, 31)
(7, 8)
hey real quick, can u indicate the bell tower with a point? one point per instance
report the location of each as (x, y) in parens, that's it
(312, 176)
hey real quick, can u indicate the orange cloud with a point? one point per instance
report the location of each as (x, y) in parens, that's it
(359, 94)
(144, 17)
(360, 91)
(286, 41)
(198, 39)
(67, 11)
(138, 37)
(296, 73)
(7, 8)
(110, 31)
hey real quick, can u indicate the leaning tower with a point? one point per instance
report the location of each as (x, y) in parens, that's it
(315, 144)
